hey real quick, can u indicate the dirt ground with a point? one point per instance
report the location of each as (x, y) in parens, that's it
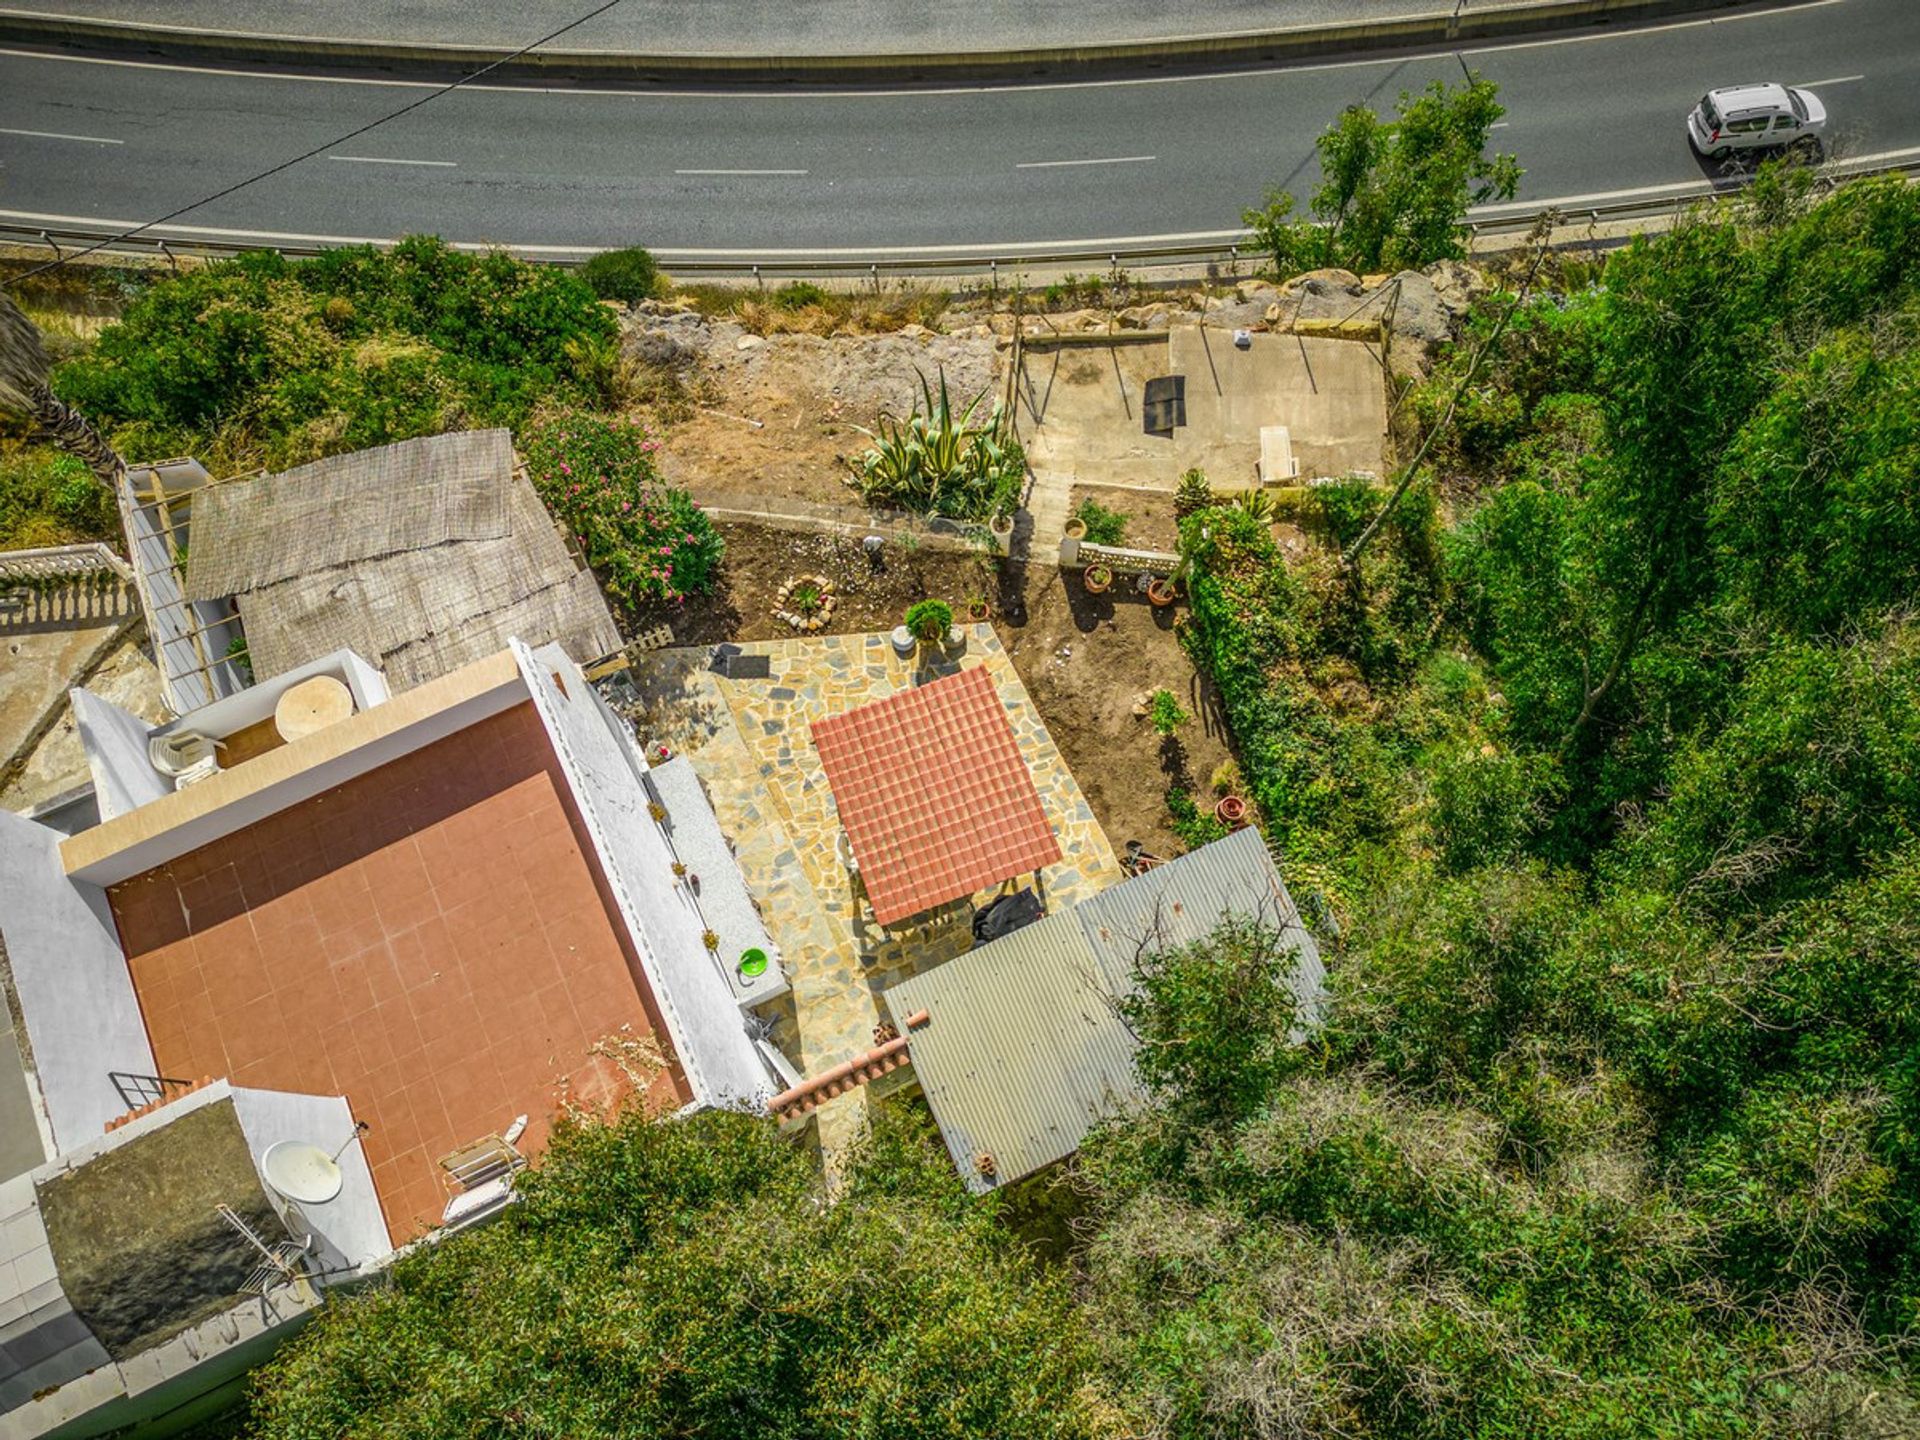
(774, 416)
(1086, 659)
(1150, 520)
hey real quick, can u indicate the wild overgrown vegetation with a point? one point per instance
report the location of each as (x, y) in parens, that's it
(681, 1279)
(264, 361)
(1605, 753)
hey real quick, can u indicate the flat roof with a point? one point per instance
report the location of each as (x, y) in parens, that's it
(934, 794)
(432, 939)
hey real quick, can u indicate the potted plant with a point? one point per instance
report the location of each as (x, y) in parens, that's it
(929, 621)
(1097, 578)
(977, 610)
(1231, 811)
(1001, 524)
(1160, 592)
(1076, 528)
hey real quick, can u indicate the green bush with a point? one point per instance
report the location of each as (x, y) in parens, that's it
(798, 295)
(681, 1278)
(648, 542)
(929, 620)
(1104, 526)
(262, 360)
(628, 276)
(51, 498)
(1165, 712)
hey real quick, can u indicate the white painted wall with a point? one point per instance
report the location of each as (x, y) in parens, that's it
(71, 978)
(236, 712)
(256, 805)
(603, 768)
(349, 1231)
(116, 744)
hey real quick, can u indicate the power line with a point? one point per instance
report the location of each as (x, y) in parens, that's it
(318, 149)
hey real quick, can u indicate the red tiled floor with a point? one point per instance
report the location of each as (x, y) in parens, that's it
(428, 940)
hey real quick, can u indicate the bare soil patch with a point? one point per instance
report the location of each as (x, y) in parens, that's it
(775, 416)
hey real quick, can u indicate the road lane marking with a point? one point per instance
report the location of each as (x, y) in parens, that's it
(1832, 80)
(742, 172)
(984, 250)
(1109, 160)
(56, 135)
(1249, 72)
(389, 160)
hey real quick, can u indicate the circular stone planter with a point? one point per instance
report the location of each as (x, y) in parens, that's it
(956, 640)
(811, 621)
(903, 641)
(1001, 525)
(1076, 528)
(1097, 579)
(1231, 811)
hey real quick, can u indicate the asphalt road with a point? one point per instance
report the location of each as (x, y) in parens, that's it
(750, 27)
(1591, 116)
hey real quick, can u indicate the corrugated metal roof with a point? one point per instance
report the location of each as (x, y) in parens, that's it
(1024, 1050)
(1184, 901)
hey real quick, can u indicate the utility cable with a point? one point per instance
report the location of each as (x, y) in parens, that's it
(318, 149)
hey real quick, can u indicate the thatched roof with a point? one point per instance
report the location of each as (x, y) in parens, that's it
(418, 556)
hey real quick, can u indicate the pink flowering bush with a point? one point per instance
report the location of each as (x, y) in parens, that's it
(597, 475)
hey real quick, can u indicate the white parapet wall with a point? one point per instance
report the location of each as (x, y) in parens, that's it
(76, 995)
(604, 767)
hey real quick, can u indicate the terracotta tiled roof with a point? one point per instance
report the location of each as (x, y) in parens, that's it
(934, 794)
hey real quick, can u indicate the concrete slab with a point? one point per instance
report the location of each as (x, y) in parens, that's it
(1082, 418)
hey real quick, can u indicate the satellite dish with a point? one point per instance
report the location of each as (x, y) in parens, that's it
(304, 1173)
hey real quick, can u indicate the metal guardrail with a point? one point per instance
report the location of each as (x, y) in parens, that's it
(990, 261)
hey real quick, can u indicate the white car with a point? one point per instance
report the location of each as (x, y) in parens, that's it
(1756, 117)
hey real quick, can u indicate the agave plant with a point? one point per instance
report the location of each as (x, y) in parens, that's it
(939, 462)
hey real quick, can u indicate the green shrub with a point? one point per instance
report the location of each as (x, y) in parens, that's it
(929, 620)
(628, 276)
(1194, 826)
(682, 1277)
(648, 542)
(1165, 712)
(261, 360)
(798, 295)
(1104, 526)
(51, 498)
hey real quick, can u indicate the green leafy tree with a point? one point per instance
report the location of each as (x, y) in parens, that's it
(1394, 194)
(682, 1278)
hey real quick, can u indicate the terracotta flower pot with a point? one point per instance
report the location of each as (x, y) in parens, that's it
(1160, 592)
(1231, 811)
(977, 611)
(1098, 579)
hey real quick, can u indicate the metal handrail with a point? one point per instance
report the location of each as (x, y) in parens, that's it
(981, 260)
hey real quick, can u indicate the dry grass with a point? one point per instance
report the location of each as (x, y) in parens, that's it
(803, 308)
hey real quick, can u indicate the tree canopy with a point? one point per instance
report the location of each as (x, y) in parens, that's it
(1393, 193)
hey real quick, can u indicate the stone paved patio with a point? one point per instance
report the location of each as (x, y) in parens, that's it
(749, 742)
